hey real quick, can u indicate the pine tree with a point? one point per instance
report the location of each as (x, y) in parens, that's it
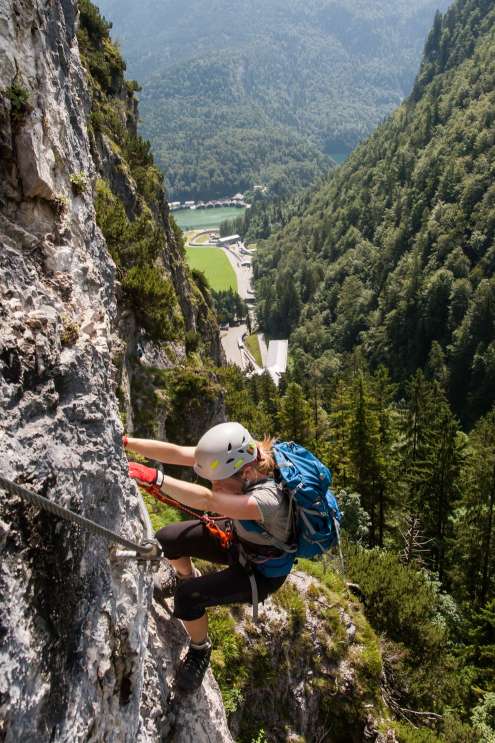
(449, 452)
(365, 451)
(384, 392)
(480, 650)
(475, 517)
(295, 416)
(340, 428)
(430, 459)
(416, 443)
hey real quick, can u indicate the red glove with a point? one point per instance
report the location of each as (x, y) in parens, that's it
(147, 477)
(125, 441)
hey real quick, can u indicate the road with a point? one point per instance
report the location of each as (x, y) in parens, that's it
(243, 273)
(231, 337)
(230, 345)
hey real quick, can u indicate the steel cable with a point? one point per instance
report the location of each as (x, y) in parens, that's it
(67, 515)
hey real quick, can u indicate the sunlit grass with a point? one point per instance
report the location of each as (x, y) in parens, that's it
(254, 347)
(215, 265)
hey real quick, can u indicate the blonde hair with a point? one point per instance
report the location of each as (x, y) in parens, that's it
(266, 460)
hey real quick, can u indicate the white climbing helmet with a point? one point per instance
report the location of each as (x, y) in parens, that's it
(224, 450)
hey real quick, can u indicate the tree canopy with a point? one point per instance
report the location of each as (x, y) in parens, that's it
(264, 91)
(395, 252)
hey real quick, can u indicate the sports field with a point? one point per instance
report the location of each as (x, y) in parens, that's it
(215, 265)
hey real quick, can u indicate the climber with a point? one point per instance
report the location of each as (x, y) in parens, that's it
(243, 490)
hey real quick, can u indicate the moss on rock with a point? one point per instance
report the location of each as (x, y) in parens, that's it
(311, 666)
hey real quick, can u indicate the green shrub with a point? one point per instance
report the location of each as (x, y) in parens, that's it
(160, 514)
(153, 300)
(79, 183)
(18, 97)
(202, 283)
(453, 731)
(60, 203)
(228, 659)
(101, 57)
(289, 598)
(92, 20)
(405, 605)
(400, 600)
(483, 718)
(135, 247)
(192, 341)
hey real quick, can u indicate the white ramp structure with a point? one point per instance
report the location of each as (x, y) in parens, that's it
(276, 362)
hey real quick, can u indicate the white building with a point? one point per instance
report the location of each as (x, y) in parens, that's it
(230, 240)
(276, 361)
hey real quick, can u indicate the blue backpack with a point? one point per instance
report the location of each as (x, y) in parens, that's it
(307, 481)
(316, 514)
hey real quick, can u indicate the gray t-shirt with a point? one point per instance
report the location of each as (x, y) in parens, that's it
(274, 507)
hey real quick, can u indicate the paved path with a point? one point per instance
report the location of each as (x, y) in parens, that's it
(244, 273)
(230, 344)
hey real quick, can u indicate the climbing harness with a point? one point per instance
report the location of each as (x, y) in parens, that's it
(148, 550)
(224, 537)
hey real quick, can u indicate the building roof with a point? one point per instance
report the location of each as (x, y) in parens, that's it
(276, 361)
(229, 239)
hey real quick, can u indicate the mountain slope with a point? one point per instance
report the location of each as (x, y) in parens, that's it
(231, 91)
(395, 253)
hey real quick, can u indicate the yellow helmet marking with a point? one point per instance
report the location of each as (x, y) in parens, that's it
(214, 464)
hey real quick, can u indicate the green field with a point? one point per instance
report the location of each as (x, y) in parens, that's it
(195, 219)
(215, 265)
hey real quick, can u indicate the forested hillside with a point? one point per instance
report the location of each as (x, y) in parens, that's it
(418, 498)
(395, 254)
(264, 91)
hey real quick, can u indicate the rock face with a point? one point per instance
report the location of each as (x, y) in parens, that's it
(83, 655)
(310, 669)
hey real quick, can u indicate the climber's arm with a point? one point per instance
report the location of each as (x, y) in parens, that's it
(195, 496)
(162, 451)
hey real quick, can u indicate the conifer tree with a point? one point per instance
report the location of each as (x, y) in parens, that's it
(240, 403)
(365, 451)
(449, 451)
(416, 444)
(340, 428)
(475, 518)
(480, 650)
(295, 416)
(430, 459)
(384, 391)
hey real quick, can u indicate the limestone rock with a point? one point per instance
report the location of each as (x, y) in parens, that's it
(84, 655)
(35, 160)
(310, 667)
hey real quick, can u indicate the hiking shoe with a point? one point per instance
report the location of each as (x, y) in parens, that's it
(194, 666)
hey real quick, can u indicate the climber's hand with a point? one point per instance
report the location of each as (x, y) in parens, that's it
(147, 477)
(125, 441)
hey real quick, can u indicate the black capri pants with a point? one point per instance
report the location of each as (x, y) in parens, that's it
(229, 586)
